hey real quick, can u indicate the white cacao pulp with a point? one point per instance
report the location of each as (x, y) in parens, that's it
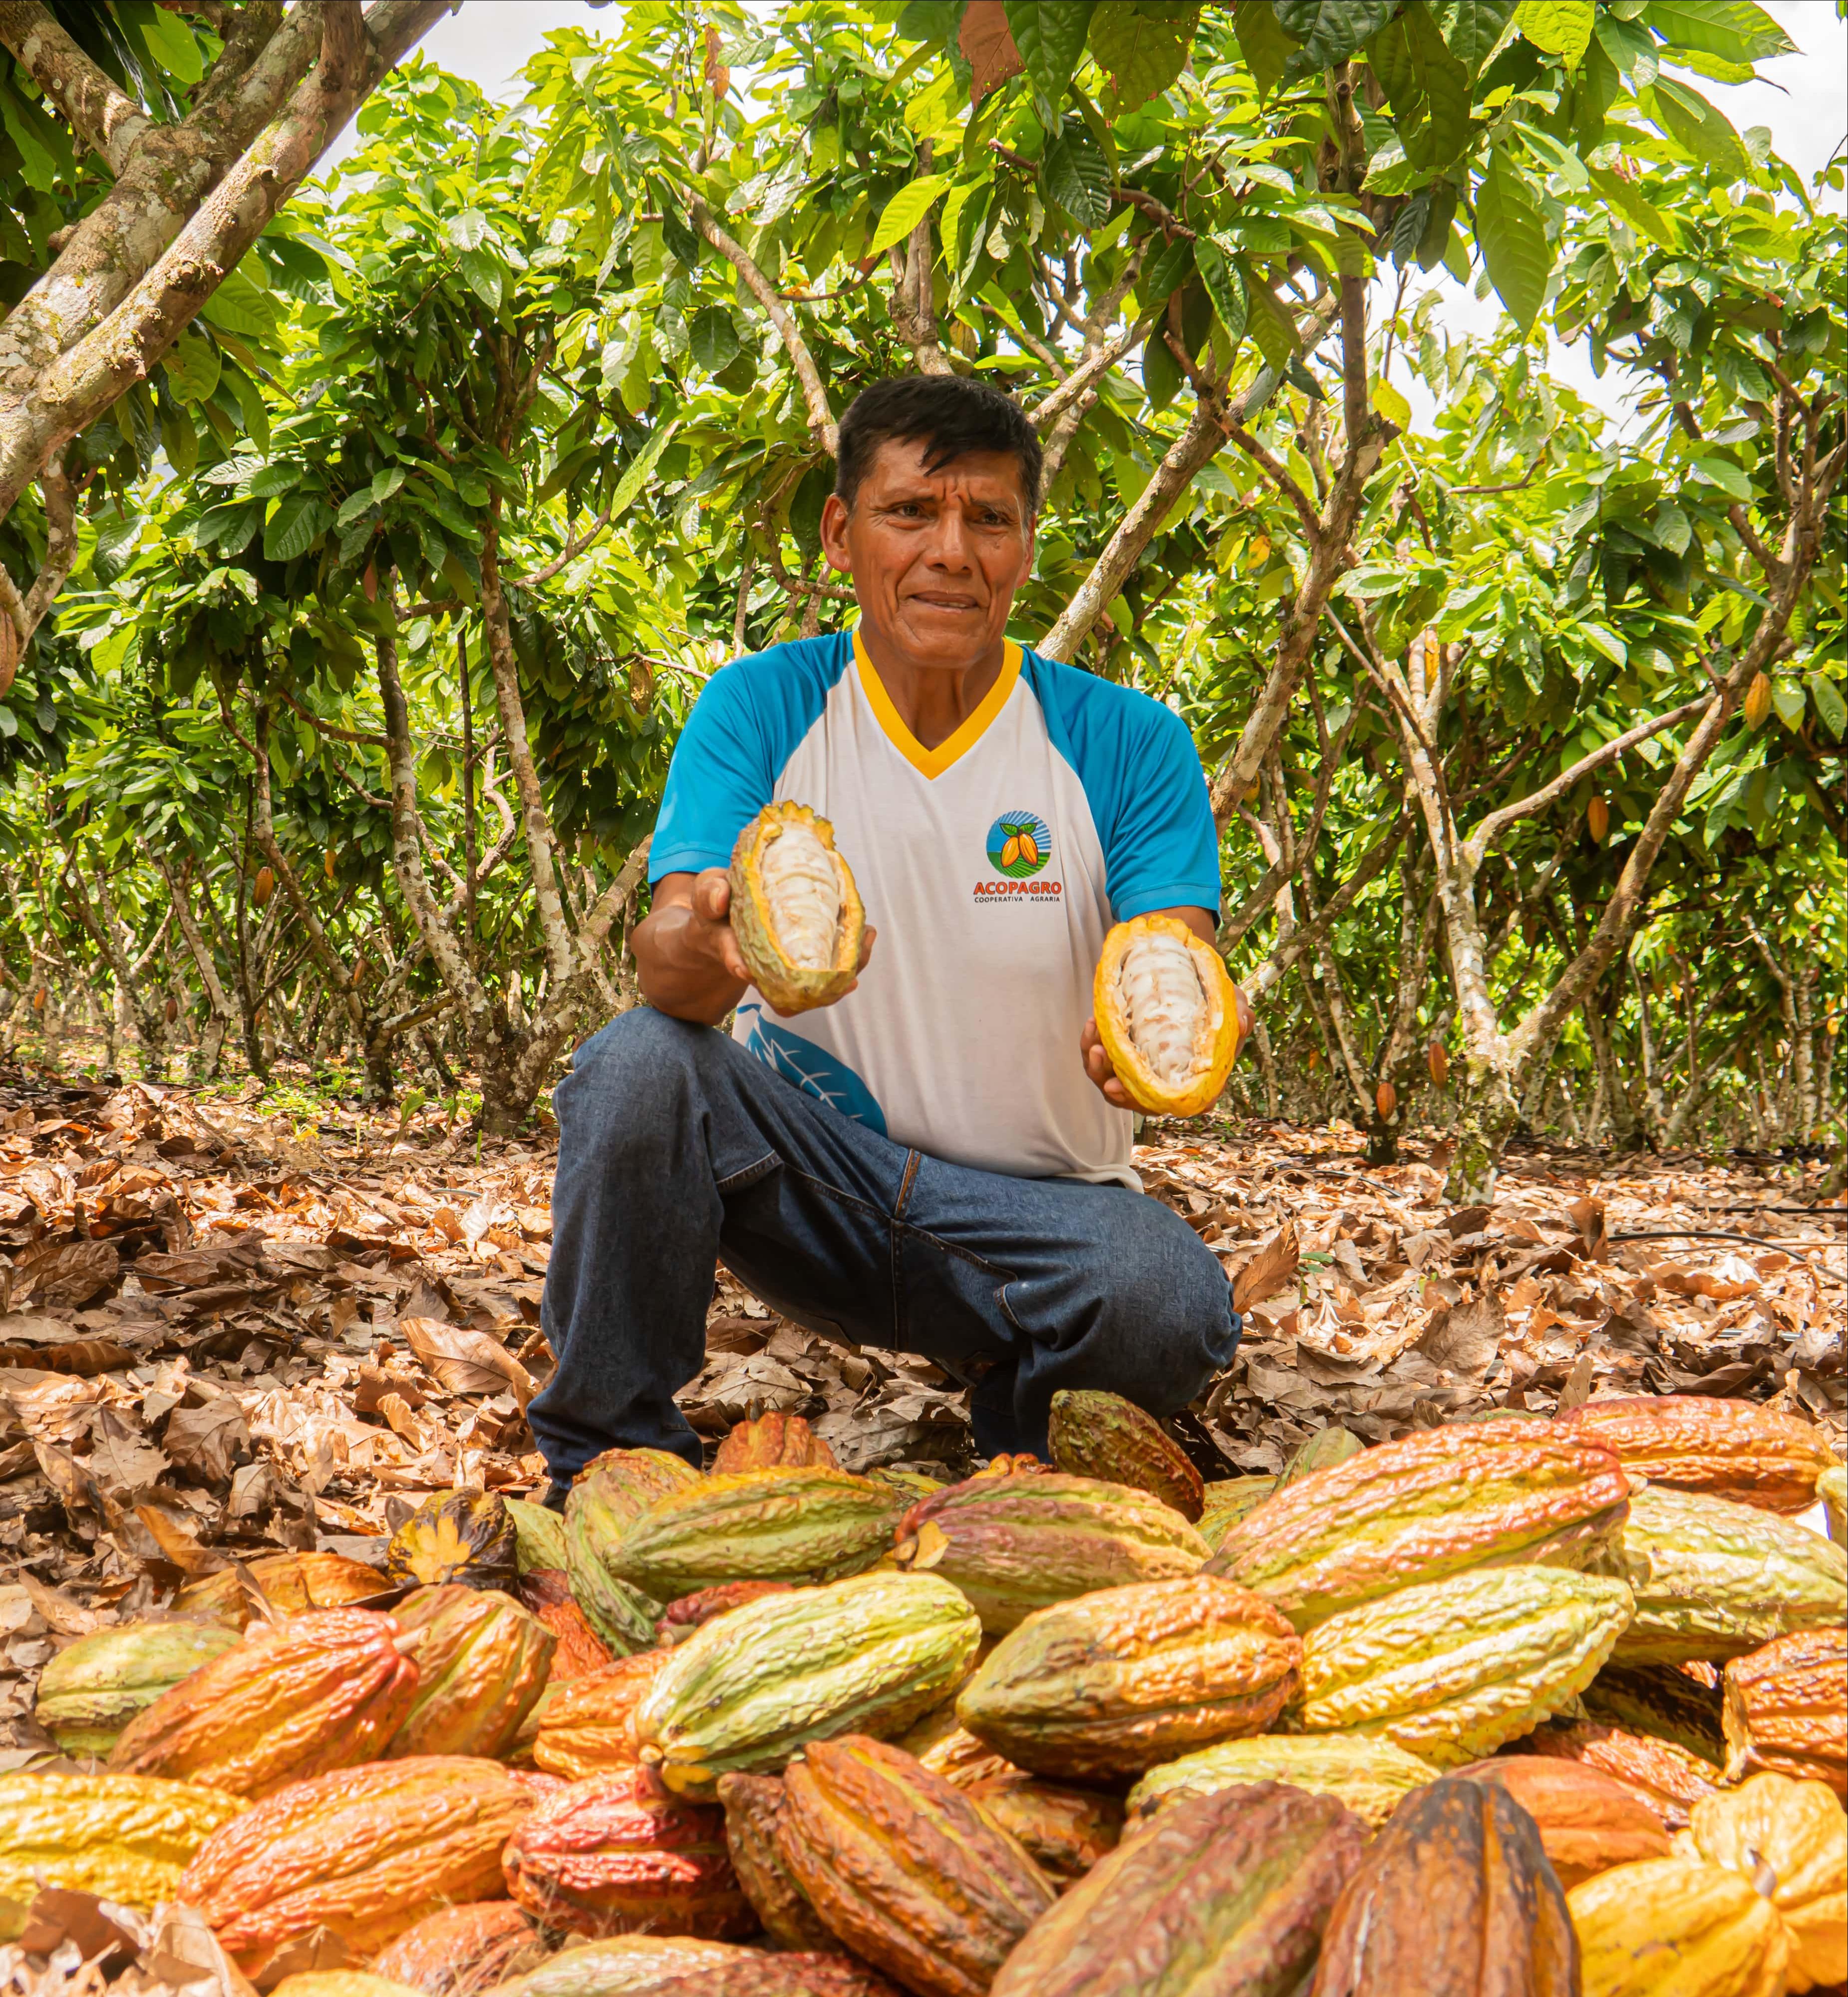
(1165, 1004)
(802, 885)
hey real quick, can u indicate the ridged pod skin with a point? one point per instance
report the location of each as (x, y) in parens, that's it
(688, 1612)
(1370, 1778)
(466, 1536)
(1661, 1700)
(679, 1966)
(1222, 1023)
(1667, 1778)
(1454, 1897)
(1224, 1504)
(1723, 1449)
(1122, 1679)
(1225, 1896)
(1498, 1494)
(906, 1869)
(1322, 1451)
(92, 1689)
(790, 987)
(1020, 1463)
(545, 1593)
(1451, 1670)
(1588, 1822)
(753, 1807)
(1013, 1544)
(126, 1838)
(801, 1526)
(807, 1974)
(365, 1852)
(292, 1584)
(868, 1655)
(340, 1983)
(1713, 1579)
(1799, 1831)
(771, 1442)
(540, 1533)
(1092, 1434)
(910, 1484)
(321, 1691)
(612, 1491)
(460, 1951)
(480, 1668)
(1665, 1928)
(1786, 1709)
(616, 1854)
(947, 1748)
(1064, 1831)
(588, 1727)
(1832, 1493)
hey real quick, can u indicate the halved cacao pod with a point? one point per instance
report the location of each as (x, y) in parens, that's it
(540, 1533)
(290, 1583)
(1226, 1502)
(1666, 1777)
(1226, 1892)
(1121, 1679)
(126, 1838)
(1100, 1435)
(1493, 1494)
(867, 1655)
(1832, 1491)
(365, 1852)
(1786, 1709)
(1065, 1831)
(771, 1442)
(465, 1536)
(616, 1854)
(1454, 1897)
(795, 910)
(1694, 1930)
(1370, 1778)
(1170, 1019)
(753, 1809)
(794, 1525)
(321, 1691)
(688, 1612)
(587, 1727)
(1451, 1670)
(1721, 1448)
(680, 1966)
(1790, 1839)
(545, 1593)
(461, 1950)
(1713, 1579)
(481, 1669)
(1013, 1544)
(612, 1491)
(1662, 1700)
(91, 1690)
(906, 1869)
(1588, 1821)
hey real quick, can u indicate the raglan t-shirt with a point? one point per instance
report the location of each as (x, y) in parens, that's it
(992, 867)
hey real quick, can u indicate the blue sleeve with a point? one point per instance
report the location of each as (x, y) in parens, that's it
(747, 724)
(1146, 790)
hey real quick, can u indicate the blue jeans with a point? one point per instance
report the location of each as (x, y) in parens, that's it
(676, 1146)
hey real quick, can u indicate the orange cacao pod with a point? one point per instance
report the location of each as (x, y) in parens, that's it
(546, 1594)
(1438, 1061)
(461, 1950)
(322, 1692)
(172, 1010)
(1720, 1448)
(947, 1748)
(1758, 701)
(263, 887)
(1597, 820)
(1064, 1830)
(1667, 1778)
(1386, 1100)
(1785, 1712)
(681, 1967)
(365, 1852)
(681, 1617)
(616, 1854)
(1589, 1821)
(754, 1810)
(481, 1670)
(587, 1727)
(772, 1442)
(290, 1583)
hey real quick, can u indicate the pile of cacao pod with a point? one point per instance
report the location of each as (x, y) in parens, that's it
(1513, 1705)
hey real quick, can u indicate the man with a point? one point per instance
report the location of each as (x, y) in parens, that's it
(939, 1162)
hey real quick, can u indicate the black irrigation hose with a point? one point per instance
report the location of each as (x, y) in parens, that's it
(1715, 1234)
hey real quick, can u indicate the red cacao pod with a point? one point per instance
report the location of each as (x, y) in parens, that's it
(753, 1813)
(547, 1593)
(772, 1442)
(1386, 1100)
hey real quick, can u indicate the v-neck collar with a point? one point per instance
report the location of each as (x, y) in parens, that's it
(932, 763)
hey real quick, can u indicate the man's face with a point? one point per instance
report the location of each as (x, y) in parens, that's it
(936, 557)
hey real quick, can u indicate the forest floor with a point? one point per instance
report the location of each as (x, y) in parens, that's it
(225, 1329)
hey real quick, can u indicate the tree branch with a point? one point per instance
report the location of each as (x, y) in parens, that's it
(101, 116)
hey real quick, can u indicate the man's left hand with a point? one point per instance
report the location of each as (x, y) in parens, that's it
(1097, 1065)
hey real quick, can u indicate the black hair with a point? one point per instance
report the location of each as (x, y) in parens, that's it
(951, 414)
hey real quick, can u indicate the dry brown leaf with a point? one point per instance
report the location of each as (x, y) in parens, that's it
(1269, 1270)
(465, 1361)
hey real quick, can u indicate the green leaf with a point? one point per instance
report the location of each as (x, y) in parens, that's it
(636, 474)
(1600, 639)
(1391, 405)
(1512, 234)
(1735, 30)
(1644, 214)
(1330, 30)
(1686, 117)
(1562, 28)
(1471, 29)
(1073, 172)
(1266, 48)
(1167, 270)
(240, 305)
(40, 166)
(1225, 283)
(467, 229)
(483, 271)
(1442, 129)
(1723, 472)
(1272, 325)
(1787, 703)
(905, 210)
(1049, 35)
(193, 366)
(353, 506)
(1830, 705)
(291, 528)
(1142, 44)
(713, 338)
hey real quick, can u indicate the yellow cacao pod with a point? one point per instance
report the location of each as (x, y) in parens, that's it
(795, 910)
(1170, 1019)
(1597, 820)
(1758, 701)
(1664, 1924)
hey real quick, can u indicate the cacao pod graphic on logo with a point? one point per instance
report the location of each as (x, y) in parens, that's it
(1019, 844)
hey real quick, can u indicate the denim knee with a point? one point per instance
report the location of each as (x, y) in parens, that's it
(642, 1061)
(1170, 1322)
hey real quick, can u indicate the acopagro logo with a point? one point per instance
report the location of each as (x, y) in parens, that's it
(1019, 844)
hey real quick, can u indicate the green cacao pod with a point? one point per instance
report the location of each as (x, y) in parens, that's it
(127, 1838)
(1065, 1831)
(1099, 1435)
(91, 1690)
(465, 1536)
(1455, 1898)
(1118, 1680)
(540, 1532)
(1659, 1699)
(292, 1583)
(1683, 1929)
(866, 1655)
(1588, 1821)
(753, 1811)
(1785, 1710)
(907, 1870)
(1721, 1448)
(1323, 1450)
(1451, 1670)
(460, 1951)
(612, 1492)
(1229, 1892)
(795, 910)
(1665, 1776)
(1495, 1494)
(1226, 1502)
(1713, 1579)
(1832, 1493)
(680, 1966)
(1015, 1543)
(772, 1441)
(480, 1668)
(803, 1524)
(1370, 1778)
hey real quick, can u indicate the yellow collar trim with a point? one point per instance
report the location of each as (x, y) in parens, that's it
(933, 763)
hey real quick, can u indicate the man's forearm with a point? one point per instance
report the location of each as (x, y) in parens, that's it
(676, 979)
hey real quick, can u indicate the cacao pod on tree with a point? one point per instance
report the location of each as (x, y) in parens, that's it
(1588, 1822)
(1784, 1710)
(460, 1951)
(481, 1669)
(1096, 1434)
(611, 1491)
(1370, 1778)
(1758, 701)
(1169, 1017)
(795, 910)
(92, 1689)
(1719, 1448)
(172, 1010)
(263, 887)
(1386, 1100)
(1701, 1931)
(1597, 820)
(772, 1442)
(1437, 1060)
(465, 1536)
